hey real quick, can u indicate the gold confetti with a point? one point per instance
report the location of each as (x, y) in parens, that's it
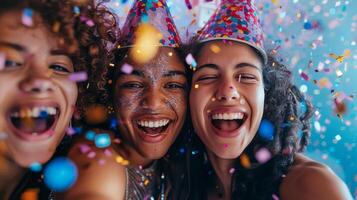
(244, 160)
(30, 194)
(215, 48)
(146, 45)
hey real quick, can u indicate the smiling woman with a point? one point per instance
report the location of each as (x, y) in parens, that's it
(40, 50)
(247, 115)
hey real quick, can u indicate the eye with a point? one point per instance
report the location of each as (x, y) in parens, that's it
(59, 68)
(11, 64)
(131, 85)
(246, 78)
(174, 85)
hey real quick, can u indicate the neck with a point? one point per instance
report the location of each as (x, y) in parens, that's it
(10, 175)
(133, 156)
(222, 167)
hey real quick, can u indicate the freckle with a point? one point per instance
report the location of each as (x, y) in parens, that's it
(196, 86)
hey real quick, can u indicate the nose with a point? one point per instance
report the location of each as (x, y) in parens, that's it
(37, 81)
(153, 99)
(227, 91)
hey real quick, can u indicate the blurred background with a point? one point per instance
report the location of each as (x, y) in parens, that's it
(317, 41)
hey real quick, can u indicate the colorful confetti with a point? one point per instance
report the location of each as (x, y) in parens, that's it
(78, 76)
(60, 174)
(27, 15)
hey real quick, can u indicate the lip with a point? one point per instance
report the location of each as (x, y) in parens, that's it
(152, 138)
(30, 137)
(227, 109)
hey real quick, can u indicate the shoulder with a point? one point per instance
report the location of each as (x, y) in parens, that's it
(307, 179)
(99, 173)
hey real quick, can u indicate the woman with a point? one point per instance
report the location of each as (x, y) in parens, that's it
(149, 99)
(235, 94)
(43, 44)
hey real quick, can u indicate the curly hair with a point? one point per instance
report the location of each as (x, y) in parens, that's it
(84, 29)
(282, 107)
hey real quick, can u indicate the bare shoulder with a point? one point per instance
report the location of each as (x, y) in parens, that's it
(100, 176)
(308, 179)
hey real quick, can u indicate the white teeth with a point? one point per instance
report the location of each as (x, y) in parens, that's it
(34, 112)
(153, 124)
(228, 116)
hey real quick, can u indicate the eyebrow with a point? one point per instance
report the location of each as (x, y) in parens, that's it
(174, 73)
(13, 46)
(20, 48)
(240, 65)
(135, 72)
(58, 52)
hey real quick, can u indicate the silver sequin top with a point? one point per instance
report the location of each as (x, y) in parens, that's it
(140, 182)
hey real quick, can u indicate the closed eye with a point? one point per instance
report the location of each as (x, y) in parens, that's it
(246, 78)
(173, 85)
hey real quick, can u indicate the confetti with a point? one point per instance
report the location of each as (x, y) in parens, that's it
(147, 43)
(244, 160)
(70, 131)
(91, 154)
(96, 114)
(90, 135)
(263, 155)
(27, 15)
(84, 148)
(266, 129)
(127, 69)
(78, 76)
(60, 174)
(215, 48)
(35, 167)
(30, 194)
(232, 170)
(191, 61)
(102, 140)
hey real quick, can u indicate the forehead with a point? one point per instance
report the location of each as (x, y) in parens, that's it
(167, 59)
(226, 53)
(36, 37)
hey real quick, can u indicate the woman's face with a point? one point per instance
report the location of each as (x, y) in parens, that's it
(36, 96)
(151, 103)
(227, 97)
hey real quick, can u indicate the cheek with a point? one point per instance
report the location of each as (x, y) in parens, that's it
(177, 102)
(71, 92)
(125, 101)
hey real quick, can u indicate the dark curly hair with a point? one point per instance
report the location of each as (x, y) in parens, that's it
(289, 111)
(85, 29)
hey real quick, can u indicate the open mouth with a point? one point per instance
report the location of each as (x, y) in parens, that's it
(32, 121)
(153, 127)
(228, 122)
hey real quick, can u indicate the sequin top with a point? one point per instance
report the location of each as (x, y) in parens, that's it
(140, 183)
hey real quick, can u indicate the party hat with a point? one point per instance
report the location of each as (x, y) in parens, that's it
(154, 13)
(235, 20)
